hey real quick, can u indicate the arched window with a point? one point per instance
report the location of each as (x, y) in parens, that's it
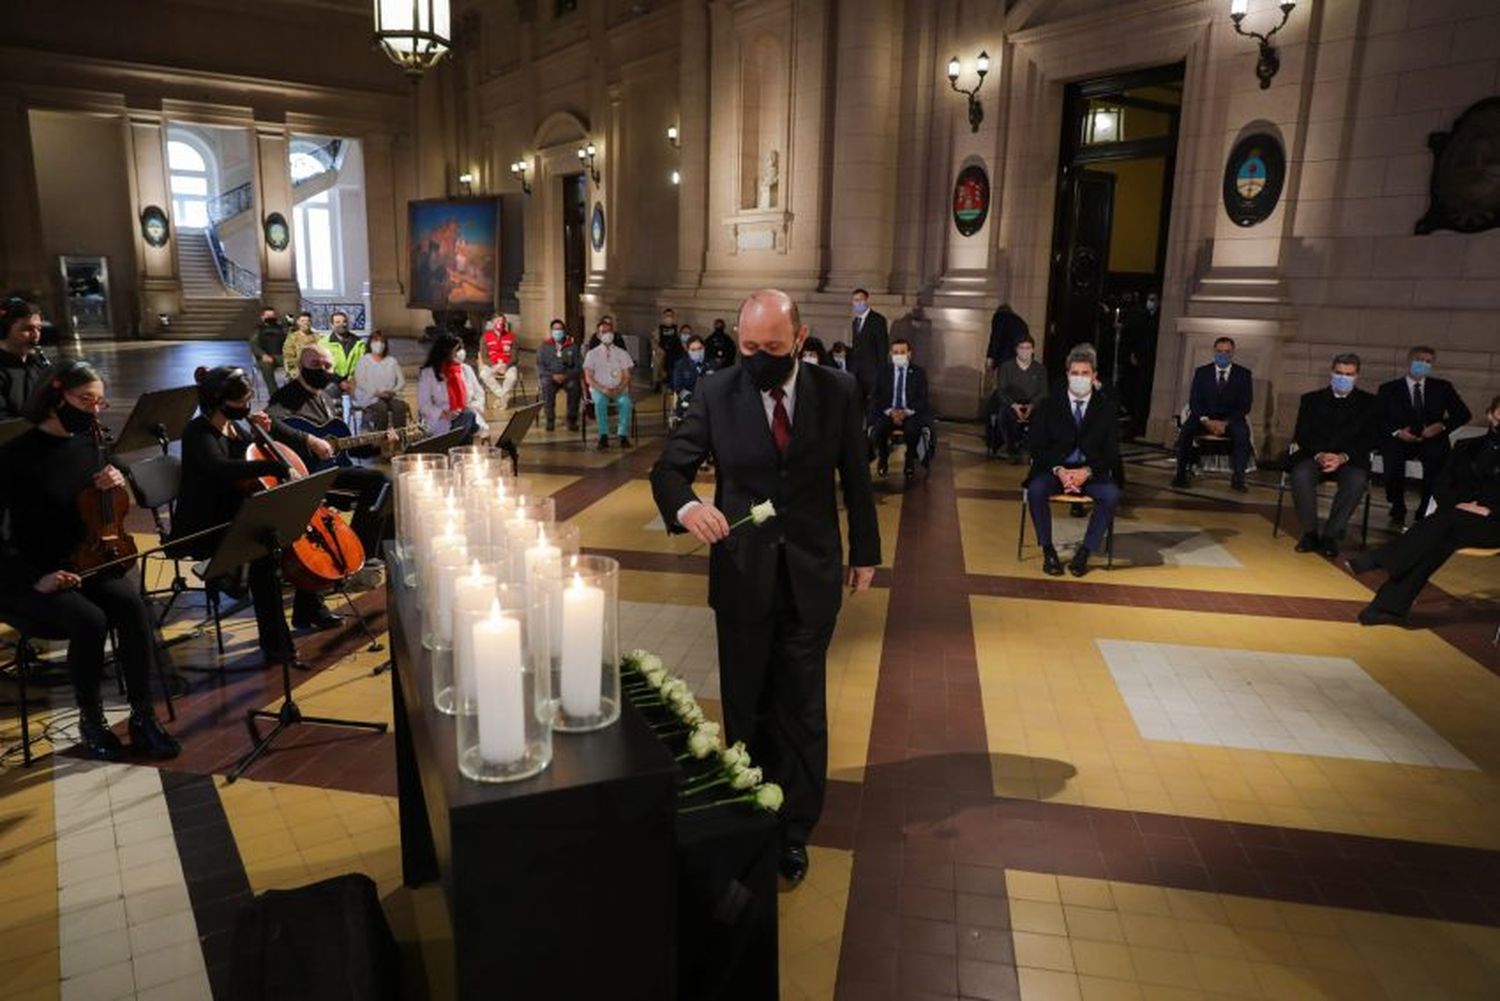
(191, 179)
(305, 165)
(317, 235)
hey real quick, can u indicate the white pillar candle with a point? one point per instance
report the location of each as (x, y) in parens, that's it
(582, 648)
(542, 559)
(500, 687)
(473, 592)
(520, 533)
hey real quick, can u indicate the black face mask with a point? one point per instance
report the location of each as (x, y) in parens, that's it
(768, 371)
(73, 420)
(317, 378)
(235, 413)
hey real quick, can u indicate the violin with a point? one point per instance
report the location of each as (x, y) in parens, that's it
(105, 540)
(328, 551)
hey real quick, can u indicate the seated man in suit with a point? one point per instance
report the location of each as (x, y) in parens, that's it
(1219, 405)
(1075, 447)
(1468, 514)
(1419, 412)
(900, 401)
(1336, 430)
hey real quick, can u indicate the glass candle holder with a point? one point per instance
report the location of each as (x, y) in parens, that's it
(448, 562)
(448, 532)
(403, 466)
(543, 558)
(582, 608)
(503, 723)
(419, 491)
(521, 528)
(481, 469)
(432, 510)
(473, 591)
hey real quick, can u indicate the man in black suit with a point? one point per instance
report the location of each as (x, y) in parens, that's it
(1468, 514)
(778, 431)
(1337, 427)
(1419, 413)
(1075, 447)
(900, 401)
(1219, 405)
(869, 343)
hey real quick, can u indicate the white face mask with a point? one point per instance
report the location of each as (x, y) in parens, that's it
(810, 358)
(1080, 385)
(606, 338)
(377, 347)
(1024, 356)
(460, 355)
(900, 361)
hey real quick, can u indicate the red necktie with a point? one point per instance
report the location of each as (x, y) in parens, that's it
(781, 424)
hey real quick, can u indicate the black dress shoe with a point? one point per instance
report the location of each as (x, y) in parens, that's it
(1328, 546)
(551, 425)
(97, 738)
(624, 442)
(1398, 516)
(603, 442)
(1180, 481)
(794, 863)
(1079, 564)
(324, 618)
(1237, 484)
(1361, 562)
(1308, 542)
(1372, 616)
(149, 737)
(910, 473)
(1051, 564)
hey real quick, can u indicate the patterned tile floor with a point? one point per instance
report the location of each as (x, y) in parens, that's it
(1192, 776)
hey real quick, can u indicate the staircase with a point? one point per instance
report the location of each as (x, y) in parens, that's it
(209, 310)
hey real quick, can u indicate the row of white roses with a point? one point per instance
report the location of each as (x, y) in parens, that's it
(704, 739)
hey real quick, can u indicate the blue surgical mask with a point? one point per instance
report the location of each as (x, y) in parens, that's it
(697, 356)
(558, 333)
(839, 361)
(1420, 368)
(860, 308)
(1341, 383)
(1223, 358)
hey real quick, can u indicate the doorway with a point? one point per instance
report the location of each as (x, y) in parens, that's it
(575, 266)
(1109, 235)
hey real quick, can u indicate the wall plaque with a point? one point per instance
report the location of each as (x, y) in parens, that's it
(156, 230)
(278, 234)
(971, 200)
(596, 227)
(1253, 178)
(1466, 172)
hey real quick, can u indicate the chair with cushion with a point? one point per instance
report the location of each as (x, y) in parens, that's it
(1083, 500)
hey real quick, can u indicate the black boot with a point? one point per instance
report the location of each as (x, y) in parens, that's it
(96, 736)
(149, 737)
(1079, 564)
(1051, 565)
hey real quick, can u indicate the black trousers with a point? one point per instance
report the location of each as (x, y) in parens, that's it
(1304, 478)
(772, 679)
(549, 390)
(1238, 431)
(1432, 453)
(883, 427)
(1412, 559)
(84, 616)
(1012, 429)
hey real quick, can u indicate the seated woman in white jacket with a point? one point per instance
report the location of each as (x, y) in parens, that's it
(449, 395)
(378, 383)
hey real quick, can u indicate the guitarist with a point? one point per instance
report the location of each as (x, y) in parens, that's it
(304, 397)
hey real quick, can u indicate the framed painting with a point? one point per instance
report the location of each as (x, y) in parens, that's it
(453, 253)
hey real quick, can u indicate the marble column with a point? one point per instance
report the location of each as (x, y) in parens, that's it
(384, 224)
(160, 281)
(273, 193)
(22, 266)
(692, 136)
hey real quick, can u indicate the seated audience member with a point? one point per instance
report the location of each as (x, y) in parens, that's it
(1468, 514)
(685, 375)
(606, 372)
(814, 353)
(22, 365)
(302, 335)
(1075, 447)
(900, 401)
(1020, 385)
(266, 346)
(720, 347)
(1219, 405)
(1337, 427)
(377, 385)
(347, 349)
(497, 360)
(559, 367)
(1419, 412)
(838, 356)
(667, 349)
(449, 396)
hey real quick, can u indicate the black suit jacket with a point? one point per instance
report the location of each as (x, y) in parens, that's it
(1441, 404)
(1328, 424)
(869, 346)
(727, 419)
(916, 392)
(1472, 473)
(1054, 436)
(1206, 400)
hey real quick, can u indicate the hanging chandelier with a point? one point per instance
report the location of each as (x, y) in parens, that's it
(414, 33)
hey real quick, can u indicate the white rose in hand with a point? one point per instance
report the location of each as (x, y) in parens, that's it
(769, 796)
(762, 512)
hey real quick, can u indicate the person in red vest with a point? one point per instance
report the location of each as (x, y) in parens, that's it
(497, 361)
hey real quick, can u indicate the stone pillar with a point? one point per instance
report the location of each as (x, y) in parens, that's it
(160, 282)
(692, 131)
(386, 229)
(865, 119)
(272, 174)
(21, 263)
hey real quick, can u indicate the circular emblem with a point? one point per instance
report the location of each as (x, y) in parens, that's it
(596, 226)
(1253, 178)
(156, 230)
(278, 234)
(971, 200)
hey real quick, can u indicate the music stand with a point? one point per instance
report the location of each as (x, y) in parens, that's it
(515, 431)
(438, 444)
(264, 523)
(158, 419)
(14, 428)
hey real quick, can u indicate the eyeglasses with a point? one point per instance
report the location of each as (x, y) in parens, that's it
(87, 401)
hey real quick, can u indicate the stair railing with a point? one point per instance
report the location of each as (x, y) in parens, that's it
(231, 203)
(237, 279)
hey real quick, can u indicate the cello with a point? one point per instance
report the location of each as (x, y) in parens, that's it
(105, 541)
(328, 551)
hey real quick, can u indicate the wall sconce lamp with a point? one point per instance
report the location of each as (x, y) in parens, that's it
(466, 181)
(672, 137)
(676, 177)
(982, 67)
(586, 157)
(518, 171)
(1269, 62)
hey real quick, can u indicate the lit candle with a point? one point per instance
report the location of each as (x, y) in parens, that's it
(520, 531)
(582, 648)
(544, 558)
(472, 592)
(500, 688)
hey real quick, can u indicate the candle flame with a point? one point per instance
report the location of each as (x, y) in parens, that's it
(578, 582)
(495, 615)
(475, 573)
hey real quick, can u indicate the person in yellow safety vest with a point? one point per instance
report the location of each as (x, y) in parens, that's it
(347, 349)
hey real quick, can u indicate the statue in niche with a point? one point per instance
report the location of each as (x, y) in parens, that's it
(769, 181)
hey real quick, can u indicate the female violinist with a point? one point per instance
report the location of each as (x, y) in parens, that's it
(214, 473)
(46, 475)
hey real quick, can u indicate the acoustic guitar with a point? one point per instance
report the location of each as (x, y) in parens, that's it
(343, 440)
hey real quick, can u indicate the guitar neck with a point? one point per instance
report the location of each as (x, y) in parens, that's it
(368, 438)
